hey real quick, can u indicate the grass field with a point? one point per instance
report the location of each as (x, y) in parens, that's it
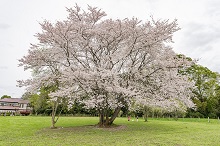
(80, 131)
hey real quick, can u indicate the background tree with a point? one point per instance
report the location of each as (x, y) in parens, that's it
(5, 96)
(205, 91)
(216, 101)
(40, 102)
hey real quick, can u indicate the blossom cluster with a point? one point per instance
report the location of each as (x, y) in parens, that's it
(110, 62)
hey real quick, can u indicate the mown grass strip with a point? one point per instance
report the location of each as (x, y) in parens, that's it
(35, 131)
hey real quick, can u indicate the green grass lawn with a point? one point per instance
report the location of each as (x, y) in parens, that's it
(80, 131)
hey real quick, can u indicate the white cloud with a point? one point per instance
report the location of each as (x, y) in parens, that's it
(3, 67)
(4, 26)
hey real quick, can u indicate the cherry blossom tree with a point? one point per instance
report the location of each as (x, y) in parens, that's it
(112, 62)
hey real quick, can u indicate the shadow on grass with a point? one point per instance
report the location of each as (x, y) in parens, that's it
(81, 129)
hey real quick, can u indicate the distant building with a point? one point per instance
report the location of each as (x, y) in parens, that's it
(15, 106)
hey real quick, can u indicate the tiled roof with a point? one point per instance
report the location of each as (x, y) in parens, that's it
(14, 100)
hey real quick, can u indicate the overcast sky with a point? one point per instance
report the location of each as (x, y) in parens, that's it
(198, 38)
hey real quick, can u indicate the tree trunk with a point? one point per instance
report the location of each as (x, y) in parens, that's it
(101, 118)
(115, 114)
(53, 115)
(145, 117)
(104, 120)
(53, 121)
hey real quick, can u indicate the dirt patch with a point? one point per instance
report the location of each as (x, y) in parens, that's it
(113, 128)
(82, 129)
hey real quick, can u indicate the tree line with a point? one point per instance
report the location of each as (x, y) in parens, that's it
(206, 97)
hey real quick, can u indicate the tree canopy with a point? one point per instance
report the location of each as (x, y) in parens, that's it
(110, 63)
